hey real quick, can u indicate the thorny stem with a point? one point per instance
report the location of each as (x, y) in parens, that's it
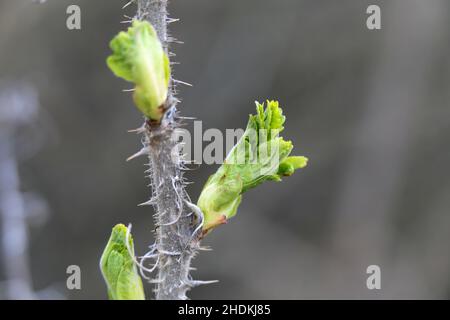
(176, 243)
(174, 220)
(155, 11)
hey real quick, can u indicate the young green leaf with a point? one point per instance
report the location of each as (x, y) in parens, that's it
(259, 155)
(139, 57)
(118, 267)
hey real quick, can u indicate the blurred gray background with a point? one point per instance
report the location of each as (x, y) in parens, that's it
(369, 108)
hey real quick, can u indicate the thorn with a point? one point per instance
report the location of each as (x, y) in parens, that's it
(141, 129)
(141, 152)
(182, 82)
(187, 118)
(128, 17)
(196, 283)
(126, 5)
(128, 90)
(174, 40)
(147, 203)
(172, 20)
(175, 99)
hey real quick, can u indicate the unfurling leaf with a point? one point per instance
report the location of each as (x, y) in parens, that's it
(139, 57)
(259, 155)
(118, 267)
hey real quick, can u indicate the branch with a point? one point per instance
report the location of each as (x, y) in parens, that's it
(176, 236)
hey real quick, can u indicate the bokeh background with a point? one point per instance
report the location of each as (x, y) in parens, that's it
(371, 110)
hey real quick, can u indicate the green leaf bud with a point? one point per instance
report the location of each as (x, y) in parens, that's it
(260, 155)
(119, 269)
(139, 57)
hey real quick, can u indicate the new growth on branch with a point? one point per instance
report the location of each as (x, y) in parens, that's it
(260, 155)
